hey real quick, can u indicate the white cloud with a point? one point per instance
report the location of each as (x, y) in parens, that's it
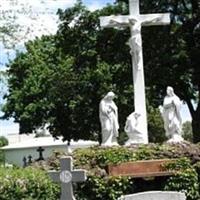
(33, 17)
(95, 6)
(12, 128)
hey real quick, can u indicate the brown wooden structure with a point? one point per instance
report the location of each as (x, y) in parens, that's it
(141, 169)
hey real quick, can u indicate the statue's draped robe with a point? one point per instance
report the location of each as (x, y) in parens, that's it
(171, 115)
(109, 122)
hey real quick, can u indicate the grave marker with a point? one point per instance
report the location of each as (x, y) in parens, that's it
(24, 162)
(67, 176)
(40, 151)
(30, 159)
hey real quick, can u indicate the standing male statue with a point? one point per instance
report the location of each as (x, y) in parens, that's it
(108, 114)
(171, 116)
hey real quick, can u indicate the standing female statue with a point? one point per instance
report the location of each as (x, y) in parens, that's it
(108, 114)
(172, 116)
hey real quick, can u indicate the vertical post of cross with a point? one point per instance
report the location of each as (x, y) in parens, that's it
(67, 176)
(134, 7)
(135, 21)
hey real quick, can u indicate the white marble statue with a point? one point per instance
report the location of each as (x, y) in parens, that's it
(172, 117)
(135, 42)
(132, 130)
(135, 21)
(108, 114)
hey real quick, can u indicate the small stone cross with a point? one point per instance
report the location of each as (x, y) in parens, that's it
(67, 176)
(24, 161)
(40, 150)
(29, 159)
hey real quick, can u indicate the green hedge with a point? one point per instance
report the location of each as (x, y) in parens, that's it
(26, 184)
(99, 186)
(32, 183)
(2, 157)
(3, 142)
(103, 187)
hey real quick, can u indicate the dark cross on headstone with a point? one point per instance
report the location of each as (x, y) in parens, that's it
(24, 161)
(67, 176)
(40, 150)
(29, 159)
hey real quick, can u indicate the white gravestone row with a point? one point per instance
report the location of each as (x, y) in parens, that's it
(156, 195)
(66, 177)
(135, 21)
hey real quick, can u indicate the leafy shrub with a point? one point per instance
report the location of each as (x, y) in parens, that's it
(185, 179)
(100, 186)
(156, 131)
(2, 157)
(3, 141)
(26, 184)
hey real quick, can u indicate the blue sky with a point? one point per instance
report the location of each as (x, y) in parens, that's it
(49, 25)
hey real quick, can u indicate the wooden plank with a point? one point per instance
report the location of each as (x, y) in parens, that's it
(148, 168)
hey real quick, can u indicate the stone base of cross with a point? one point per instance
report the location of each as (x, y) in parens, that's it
(135, 21)
(67, 176)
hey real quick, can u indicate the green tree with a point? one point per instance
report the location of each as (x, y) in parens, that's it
(172, 58)
(156, 130)
(3, 141)
(187, 131)
(60, 80)
(178, 61)
(45, 87)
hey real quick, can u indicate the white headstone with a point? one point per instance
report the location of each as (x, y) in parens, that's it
(135, 21)
(66, 177)
(155, 195)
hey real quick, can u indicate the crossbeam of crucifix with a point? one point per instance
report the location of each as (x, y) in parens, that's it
(135, 21)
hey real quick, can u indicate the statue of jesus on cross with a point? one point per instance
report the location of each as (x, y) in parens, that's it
(135, 21)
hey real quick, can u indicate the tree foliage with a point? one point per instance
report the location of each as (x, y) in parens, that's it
(61, 79)
(187, 131)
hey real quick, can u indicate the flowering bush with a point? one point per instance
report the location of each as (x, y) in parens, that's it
(26, 184)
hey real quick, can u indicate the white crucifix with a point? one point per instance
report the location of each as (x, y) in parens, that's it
(67, 176)
(135, 21)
